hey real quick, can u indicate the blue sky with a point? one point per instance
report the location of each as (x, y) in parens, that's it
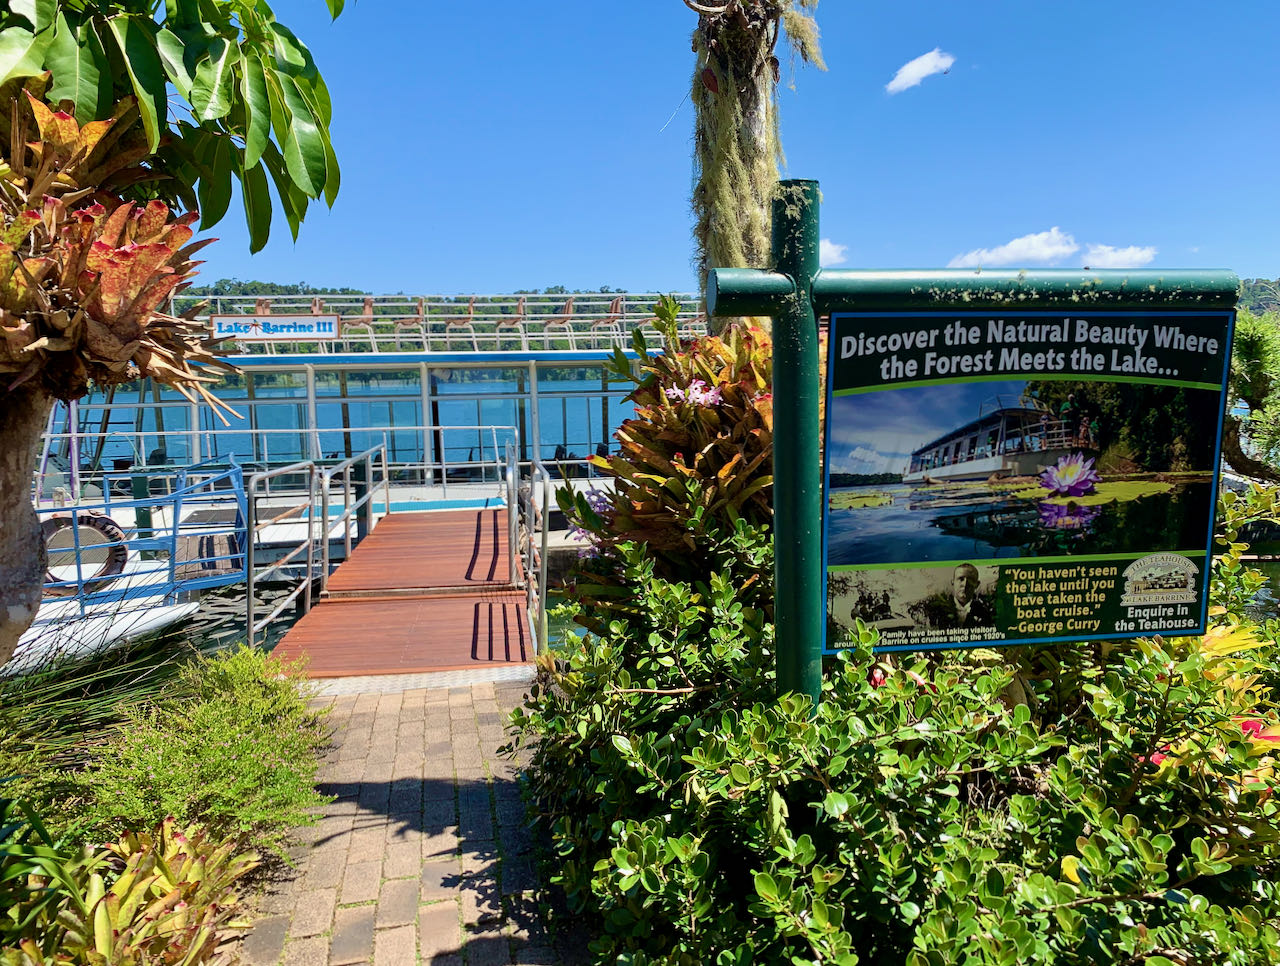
(488, 147)
(876, 432)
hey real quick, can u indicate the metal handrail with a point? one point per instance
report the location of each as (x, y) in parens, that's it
(364, 502)
(539, 469)
(303, 589)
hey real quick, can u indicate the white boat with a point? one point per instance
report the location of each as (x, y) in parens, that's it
(1010, 437)
(121, 568)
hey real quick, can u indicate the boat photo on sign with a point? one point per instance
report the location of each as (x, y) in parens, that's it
(1017, 478)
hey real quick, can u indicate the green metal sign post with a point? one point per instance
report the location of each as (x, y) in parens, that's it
(796, 292)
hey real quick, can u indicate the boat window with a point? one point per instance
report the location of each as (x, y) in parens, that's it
(368, 382)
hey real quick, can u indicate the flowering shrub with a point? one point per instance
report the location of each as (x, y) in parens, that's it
(1122, 810)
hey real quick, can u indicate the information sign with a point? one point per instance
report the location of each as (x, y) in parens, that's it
(1015, 477)
(274, 328)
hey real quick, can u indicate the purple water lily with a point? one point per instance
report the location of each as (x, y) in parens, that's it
(1073, 476)
(1056, 516)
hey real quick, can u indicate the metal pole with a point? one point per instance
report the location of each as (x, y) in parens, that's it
(797, 487)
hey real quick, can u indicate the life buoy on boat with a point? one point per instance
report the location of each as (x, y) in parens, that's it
(102, 551)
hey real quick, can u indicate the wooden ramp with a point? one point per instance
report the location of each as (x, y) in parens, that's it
(422, 592)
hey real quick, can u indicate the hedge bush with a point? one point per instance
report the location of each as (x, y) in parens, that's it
(1115, 806)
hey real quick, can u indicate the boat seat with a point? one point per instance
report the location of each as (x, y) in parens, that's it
(562, 321)
(364, 322)
(512, 323)
(608, 329)
(413, 326)
(461, 325)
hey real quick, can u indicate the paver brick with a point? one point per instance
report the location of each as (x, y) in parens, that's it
(440, 880)
(439, 929)
(323, 870)
(313, 913)
(361, 882)
(394, 947)
(488, 949)
(306, 952)
(264, 944)
(398, 902)
(402, 860)
(352, 939)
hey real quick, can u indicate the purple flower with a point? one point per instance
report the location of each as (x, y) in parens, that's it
(1056, 516)
(697, 392)
(1073, 476)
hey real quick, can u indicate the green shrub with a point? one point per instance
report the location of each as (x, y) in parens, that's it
(1120, 809)
(239, 756)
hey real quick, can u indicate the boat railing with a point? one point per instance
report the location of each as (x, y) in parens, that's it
(356, 479)
(284, 567)
(176, 532)
(416, 455)
(512, 472)
(452, 323)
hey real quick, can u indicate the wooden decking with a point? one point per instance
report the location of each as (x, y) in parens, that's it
(423, 592)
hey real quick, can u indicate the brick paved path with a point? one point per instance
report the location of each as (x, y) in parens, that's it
(425, 856)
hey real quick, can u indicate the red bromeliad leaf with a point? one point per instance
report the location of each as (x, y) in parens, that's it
(146, 262)
(155, 292)
(110, 231)
(91, 134)
(150, 221)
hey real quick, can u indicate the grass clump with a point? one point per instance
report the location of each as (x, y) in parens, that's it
(238, 755)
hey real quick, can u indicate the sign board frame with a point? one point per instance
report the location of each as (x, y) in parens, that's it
(876, 357)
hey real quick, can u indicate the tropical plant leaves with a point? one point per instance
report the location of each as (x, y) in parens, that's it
(211, 94)
(257, 206)
(81, 72)
(135, 39)
(258, 105)
(257, 108)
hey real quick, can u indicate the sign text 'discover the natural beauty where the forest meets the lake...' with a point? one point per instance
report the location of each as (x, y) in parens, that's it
(997, 478)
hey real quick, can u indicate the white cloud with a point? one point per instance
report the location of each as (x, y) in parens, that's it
(1107, 256)
(829, 253)
(914, 71)
(1042, 248)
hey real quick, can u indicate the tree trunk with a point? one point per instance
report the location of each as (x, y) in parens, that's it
(23, 413)
(736, 148)
(1240, 461)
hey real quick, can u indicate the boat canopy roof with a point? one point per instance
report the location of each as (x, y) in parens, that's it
(987, 421)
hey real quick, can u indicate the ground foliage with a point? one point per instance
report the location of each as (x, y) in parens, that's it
(225, 741)
(144, 898)
(1097, 804)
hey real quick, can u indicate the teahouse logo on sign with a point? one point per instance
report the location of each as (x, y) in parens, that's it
(1161, 578)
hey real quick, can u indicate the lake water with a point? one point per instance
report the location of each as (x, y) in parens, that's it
(949, 522)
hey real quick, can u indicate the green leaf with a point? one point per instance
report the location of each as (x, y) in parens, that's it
(215, 182)
(910, 911)
(292, 201)
(22, 52)
(173, 54)
(292, 55)
(257, 206)
(135, 39)
(622, 743)
(766, 888)
(303, 147)
(335, 7)
(257, 107)
(81, 73)
(212, 91)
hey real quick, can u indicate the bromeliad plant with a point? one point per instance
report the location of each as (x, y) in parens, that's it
(698, 453)
(83, 274)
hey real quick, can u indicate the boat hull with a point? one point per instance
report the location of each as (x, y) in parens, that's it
(1008, 464)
